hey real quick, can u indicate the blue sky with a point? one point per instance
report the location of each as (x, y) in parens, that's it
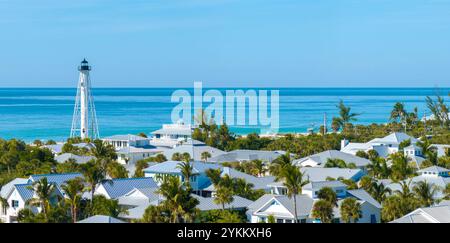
(277, 43)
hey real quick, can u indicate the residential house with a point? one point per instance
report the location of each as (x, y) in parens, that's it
(435, 214)
(259, 183)
(281, 207)
(384, 146)
(242, 155)
(171, 135)
(131, 148)
(194, 148)
(18, 192)
(435, 175)
(320, 159)
(100, 219)
(115, 188)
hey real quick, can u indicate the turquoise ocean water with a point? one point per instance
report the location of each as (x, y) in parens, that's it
(46, 113)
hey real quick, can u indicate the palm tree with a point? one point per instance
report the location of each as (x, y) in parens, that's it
(224, 195)
(214, 175)
(176, 156)
(259, 166)
(43, 191)
(323, 210)
(293, 181)
(345, 115)
(205, 156)
(4, 203)
(350, 210)
(279, 163)
(439, 110)
(327, 194)
(186, 170)
(186, 156)
(400, 167)
(178, 202)
(446, 192)
(425, 192)
(153, 214)
(408, 200)
(335, 163)
(366, 183)
(379, 191)
(103, 150)
(335, 124)
(398, 113)
(73, 190)
(93, 175)
(392, 208)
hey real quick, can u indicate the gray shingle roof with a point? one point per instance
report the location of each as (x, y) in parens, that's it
(125, 137)
(258, 182)
(172, 167)
(321, 174)
(195, 151)
(321, 158)
(304, 203)
(437, 214)
(58, 179)
(100, 219)
(246, 155)
(364, 196)
(119, 187)
(435, 169)
(317, 185)
(79, 159)
(207, 203)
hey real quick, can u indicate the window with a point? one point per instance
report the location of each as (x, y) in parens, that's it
(373, 219)
(279, 221)
(288, 221)
(15, 203)
(275, 203)
(262, 219)
(339, 191)
(303, 221)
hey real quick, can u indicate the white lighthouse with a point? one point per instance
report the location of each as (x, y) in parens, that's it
(84, 122)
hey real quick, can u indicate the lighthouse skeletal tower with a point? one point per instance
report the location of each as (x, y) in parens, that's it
(84, 122)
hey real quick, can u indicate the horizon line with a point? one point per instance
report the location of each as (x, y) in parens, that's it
(225, 87)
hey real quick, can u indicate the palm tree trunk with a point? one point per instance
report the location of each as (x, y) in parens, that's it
(295, 208)
(92, 195)
(74, 213)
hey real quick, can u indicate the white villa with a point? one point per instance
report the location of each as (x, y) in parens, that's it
(281, 208)
(18, 192)
(131, 148)
(384, 146)
(172, 134)
(194, 148)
